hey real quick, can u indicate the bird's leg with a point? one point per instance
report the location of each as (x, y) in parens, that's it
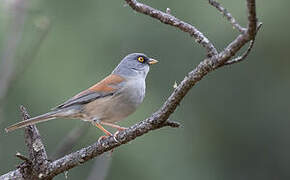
(119, 128)
(98, 125)
(103, 129)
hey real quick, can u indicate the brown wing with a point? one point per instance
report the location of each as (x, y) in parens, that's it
(106, 87)
(108, 84)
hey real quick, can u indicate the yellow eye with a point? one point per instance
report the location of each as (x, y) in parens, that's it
(140, 59)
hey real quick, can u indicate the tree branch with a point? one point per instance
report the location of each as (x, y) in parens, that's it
(22, 157)
(36, 165)
(228, 15)
(37, 153)
(252, 25)
(158, 119)
(246, 53)
(166, 18)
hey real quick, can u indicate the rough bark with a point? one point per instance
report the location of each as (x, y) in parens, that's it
(158, 119)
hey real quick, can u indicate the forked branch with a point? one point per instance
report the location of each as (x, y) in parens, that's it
(167, 18)
(159, 119)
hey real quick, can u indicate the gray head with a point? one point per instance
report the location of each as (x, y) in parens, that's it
(135, 64)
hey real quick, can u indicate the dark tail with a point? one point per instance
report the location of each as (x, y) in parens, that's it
(42, 118)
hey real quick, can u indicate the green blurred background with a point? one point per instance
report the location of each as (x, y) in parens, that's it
(235, 122)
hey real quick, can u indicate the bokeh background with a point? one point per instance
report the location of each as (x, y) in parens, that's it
(235, 122)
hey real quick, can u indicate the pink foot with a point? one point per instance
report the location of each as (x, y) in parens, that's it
(102, 137)
(121, 128)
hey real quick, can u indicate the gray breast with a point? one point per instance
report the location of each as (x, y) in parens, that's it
(125, 102)
(134, 91)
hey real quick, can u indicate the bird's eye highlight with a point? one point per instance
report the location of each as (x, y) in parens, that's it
(140, 59)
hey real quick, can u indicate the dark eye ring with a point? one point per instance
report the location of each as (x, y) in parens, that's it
(141, 59)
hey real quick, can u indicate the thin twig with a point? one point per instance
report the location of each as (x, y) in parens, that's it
(228, 15)
(159, 118)
(246, 53)
(241, 58)
(172, 124)
(22, 157)
(166, 18)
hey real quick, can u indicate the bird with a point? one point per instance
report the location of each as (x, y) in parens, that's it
(109, 101)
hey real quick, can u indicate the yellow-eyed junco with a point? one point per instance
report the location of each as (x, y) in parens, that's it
(109, 101)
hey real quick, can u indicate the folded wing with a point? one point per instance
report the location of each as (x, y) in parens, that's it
(107, 87)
